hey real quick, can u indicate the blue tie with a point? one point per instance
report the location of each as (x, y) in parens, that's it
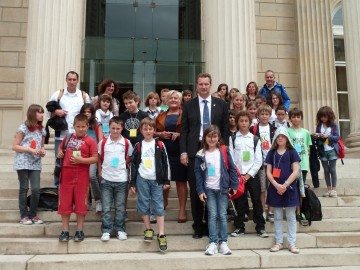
(206, 117)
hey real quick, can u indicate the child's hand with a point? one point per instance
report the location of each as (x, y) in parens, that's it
(60, 154)
(42, 152)
(76, 160)
(202, 197)
(323, 136)
(232, 191)
(133, 189)
(280, 189)
(166, 186)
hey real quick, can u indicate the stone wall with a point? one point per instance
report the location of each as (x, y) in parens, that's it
(13, 28)
(276, 43)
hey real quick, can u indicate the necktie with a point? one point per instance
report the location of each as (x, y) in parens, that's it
(206, 116)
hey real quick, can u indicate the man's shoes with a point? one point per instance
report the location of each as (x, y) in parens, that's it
(148, 235)
(237, 232)
(197, 235)
(162, 243)
(64, 236)
(79, 236)
(262, 234)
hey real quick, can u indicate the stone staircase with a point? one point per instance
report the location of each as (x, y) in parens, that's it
(333, 243)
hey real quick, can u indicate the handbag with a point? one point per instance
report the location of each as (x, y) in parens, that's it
(241, 186)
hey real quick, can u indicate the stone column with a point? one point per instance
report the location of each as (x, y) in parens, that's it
(54, 35)
(316, 58)
(230, 41)
(351, 11)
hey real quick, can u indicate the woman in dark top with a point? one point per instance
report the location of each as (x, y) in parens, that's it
(168, 130)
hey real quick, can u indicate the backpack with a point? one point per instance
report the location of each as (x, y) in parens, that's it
(59, 161)
(62, 93)
(241, 186)
(103, 142)
(311, 206)
(255, 131)
(160, 144)
(341, 153)
(48, 200)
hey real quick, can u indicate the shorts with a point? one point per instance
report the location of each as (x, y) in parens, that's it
(264, 183)
(149, 190)
(73, 191)
(329, 155)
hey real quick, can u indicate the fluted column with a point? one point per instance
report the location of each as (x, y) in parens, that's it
(228, 28)
(54, 34)
(351, 11)
(316, 58)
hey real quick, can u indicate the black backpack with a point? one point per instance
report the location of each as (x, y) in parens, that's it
(48, 200)
(311, 206)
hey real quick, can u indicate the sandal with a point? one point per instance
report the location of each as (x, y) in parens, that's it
(276, 247)
(294, 249)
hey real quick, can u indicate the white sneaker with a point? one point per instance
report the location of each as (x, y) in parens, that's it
(224, 249)
(122, 235)
(105, 237)
(327, 193)
(98, 207)
(333, 194)
(211, 249)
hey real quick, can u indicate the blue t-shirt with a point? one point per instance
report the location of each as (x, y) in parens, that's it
(283, 162)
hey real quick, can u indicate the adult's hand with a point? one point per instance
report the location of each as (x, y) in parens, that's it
(184, 159)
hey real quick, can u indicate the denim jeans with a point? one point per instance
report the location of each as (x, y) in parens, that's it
(57, 144)
(328, 161)
(217, 204)
(24, 177)
(95, 187)
(291, 224)
(149, 190)
(113, 192)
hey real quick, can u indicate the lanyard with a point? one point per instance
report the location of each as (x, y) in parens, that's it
(279, 159)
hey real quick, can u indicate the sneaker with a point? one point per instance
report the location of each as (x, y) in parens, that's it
(148, 235)
(162, 243)
(211, 249)
(105, 237)
(37, 220)
(122, 235)
(153, 219)
(64, 236)
(237, 232)
(294, 249)
(270, 217)
(262, 234)
(224, 249)
(98, 207)
(276, 247)
(26, 221)
(79, 236)
(333, 194)
(327, 193)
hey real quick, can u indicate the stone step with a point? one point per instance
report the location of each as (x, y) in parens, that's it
(52, 216)
(92, 228)
(241, 259)
(176, 243)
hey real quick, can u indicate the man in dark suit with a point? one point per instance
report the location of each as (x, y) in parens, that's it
(197, 114)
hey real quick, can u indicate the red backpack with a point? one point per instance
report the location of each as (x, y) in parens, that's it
(241, 186)
(341, 153)
(103, 142)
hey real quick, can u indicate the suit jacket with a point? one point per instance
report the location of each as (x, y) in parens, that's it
(191, 124)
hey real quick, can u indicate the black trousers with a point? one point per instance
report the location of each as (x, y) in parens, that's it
(253, 187)
(197, 207)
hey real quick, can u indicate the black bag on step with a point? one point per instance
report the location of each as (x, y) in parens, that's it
(311, 206)
(48, 200)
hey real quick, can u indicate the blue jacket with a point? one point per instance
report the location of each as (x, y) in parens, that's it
(333, 138)
(265, 91)
(226, 176)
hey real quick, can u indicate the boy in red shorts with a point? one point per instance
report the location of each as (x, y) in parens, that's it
(80, 151)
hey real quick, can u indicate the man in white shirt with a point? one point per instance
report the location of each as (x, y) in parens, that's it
(71, 101)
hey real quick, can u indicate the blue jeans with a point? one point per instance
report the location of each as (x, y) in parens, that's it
(24, 177)
(113, 191)
(328, 161)
(217, 204)
(57, 144)
(149, 190)
(291, 224)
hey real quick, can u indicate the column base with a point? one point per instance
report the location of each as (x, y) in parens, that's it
(353, 144)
